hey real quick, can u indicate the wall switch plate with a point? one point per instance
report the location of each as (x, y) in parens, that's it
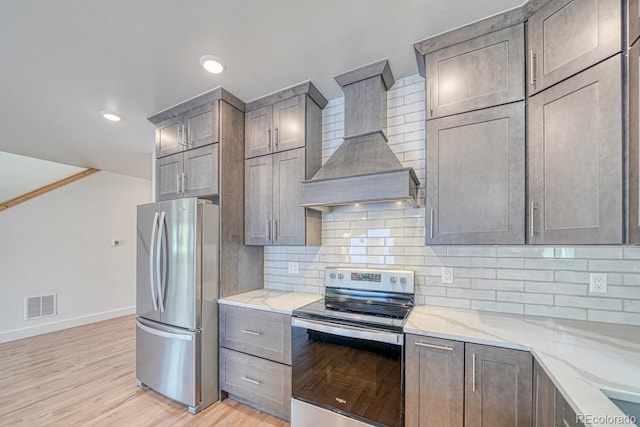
(293, 268)
(115, 243)
(447, 275)
(598, 283)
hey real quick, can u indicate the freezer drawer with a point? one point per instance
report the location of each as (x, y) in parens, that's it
(167, 361)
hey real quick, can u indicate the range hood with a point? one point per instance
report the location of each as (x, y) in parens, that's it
(363, 169)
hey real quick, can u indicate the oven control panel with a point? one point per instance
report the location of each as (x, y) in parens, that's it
(370, 279)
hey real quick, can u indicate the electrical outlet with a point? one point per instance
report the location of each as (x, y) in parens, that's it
(598, 283)
(293, 268)
(447, 275)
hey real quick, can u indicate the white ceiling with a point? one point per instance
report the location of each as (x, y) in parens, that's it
(64, 61)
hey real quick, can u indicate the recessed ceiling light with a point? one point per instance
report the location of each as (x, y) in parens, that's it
(212, 64)
(110, 116)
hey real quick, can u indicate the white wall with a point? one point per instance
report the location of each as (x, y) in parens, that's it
(533, 280)
(60, 243)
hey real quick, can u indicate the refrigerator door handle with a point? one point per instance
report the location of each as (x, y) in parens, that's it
(164, 334)
(160, 276)
(154, 230)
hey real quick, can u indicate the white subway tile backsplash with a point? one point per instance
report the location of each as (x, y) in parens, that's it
(534, 280)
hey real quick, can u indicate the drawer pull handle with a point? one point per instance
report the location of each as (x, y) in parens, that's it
(249, 380)
(257, 334)
(439, 347)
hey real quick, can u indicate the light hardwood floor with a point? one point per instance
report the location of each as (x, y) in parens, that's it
(86, 376)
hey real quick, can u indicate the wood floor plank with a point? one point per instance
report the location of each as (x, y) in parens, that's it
(85, 376)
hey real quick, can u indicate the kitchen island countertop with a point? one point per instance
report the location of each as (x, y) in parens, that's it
(580, 357)
(271, 300)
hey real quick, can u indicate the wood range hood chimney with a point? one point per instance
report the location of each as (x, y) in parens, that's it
(363, 169)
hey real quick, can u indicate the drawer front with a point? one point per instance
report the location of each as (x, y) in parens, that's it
(260, 381)
(260, 333)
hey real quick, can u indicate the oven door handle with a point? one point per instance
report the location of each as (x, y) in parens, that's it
(348, 331)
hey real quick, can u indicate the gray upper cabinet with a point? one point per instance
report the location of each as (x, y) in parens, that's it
(475, 177)
(276, 127)
(185, 131)
(434, 382)
(283, 148)
(544, 397)
(575, 159)
(168, 177)
(478, 73)
(169, 137)
(633, 13)
(498, 387)
(634, 143)
(568, 36)
(201, 171)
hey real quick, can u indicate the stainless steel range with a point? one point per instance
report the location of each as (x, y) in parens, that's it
(347, 352)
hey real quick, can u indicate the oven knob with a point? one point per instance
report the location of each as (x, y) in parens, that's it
(332, 275)
(403, 280)
(340, 276)
(393, 279)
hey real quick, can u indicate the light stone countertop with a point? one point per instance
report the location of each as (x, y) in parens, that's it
(271, 300)
(580, 357)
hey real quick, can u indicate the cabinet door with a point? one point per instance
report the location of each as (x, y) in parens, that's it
(575, 159)
(201, 171)
(258, 132)
(169, 137)
(544, 398)
(634, 20)
(434, 382)
(568, 36)
(258, 200)
(289, 123)
(498, 387)
(288, 214)
(201, 126)
(565, 416)
(634, 144)
(476, 177)
(168, 177)
(479, 73)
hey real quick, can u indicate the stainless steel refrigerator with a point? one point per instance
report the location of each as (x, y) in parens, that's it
(177, 300)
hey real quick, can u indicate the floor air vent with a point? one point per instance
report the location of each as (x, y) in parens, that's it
(41, 306)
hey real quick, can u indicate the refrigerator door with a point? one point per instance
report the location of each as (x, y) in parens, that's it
(179, 237)
(146, 280)
(167, 360)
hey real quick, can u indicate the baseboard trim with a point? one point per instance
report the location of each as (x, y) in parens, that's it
(17, 334)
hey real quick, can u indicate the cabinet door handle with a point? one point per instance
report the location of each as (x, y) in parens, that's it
(275, 229)
(439, 347)
(185, 132)
(431, 99)
(473, 372)
(277, 138)
(431, 213)
(183, 182)
(254, 333)
(269, 138)
(532, 208)
(249, 380)
(177, 183)
(268, 230)
(532, 68)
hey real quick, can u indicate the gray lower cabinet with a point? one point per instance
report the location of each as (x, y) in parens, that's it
(575, 159)
(255, 358)
(434, 382)
(634, 143)
(633, 15)
(544, 398)
(482, 72)
(273, 198)
(190, 173)
(565, 416)
(498, 387)
(475, 177)
(568, 36)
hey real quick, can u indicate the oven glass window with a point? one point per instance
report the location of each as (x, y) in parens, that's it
(352, 376)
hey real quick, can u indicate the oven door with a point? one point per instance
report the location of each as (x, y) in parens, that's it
(352, 371)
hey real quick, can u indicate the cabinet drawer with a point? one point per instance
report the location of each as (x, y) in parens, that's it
(261, 333)
(565, 416)
(260, 381)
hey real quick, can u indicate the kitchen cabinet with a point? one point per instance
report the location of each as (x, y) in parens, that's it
(568, 36)
(498, 387)
(255, 358)
(634, 143)
(284, 144)
(544, 398)
(575, 159)
(434, 382)
(191, 173)
(565, 416)
(633, 16)
(478, 73)
(192, 129)
(475, 177)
